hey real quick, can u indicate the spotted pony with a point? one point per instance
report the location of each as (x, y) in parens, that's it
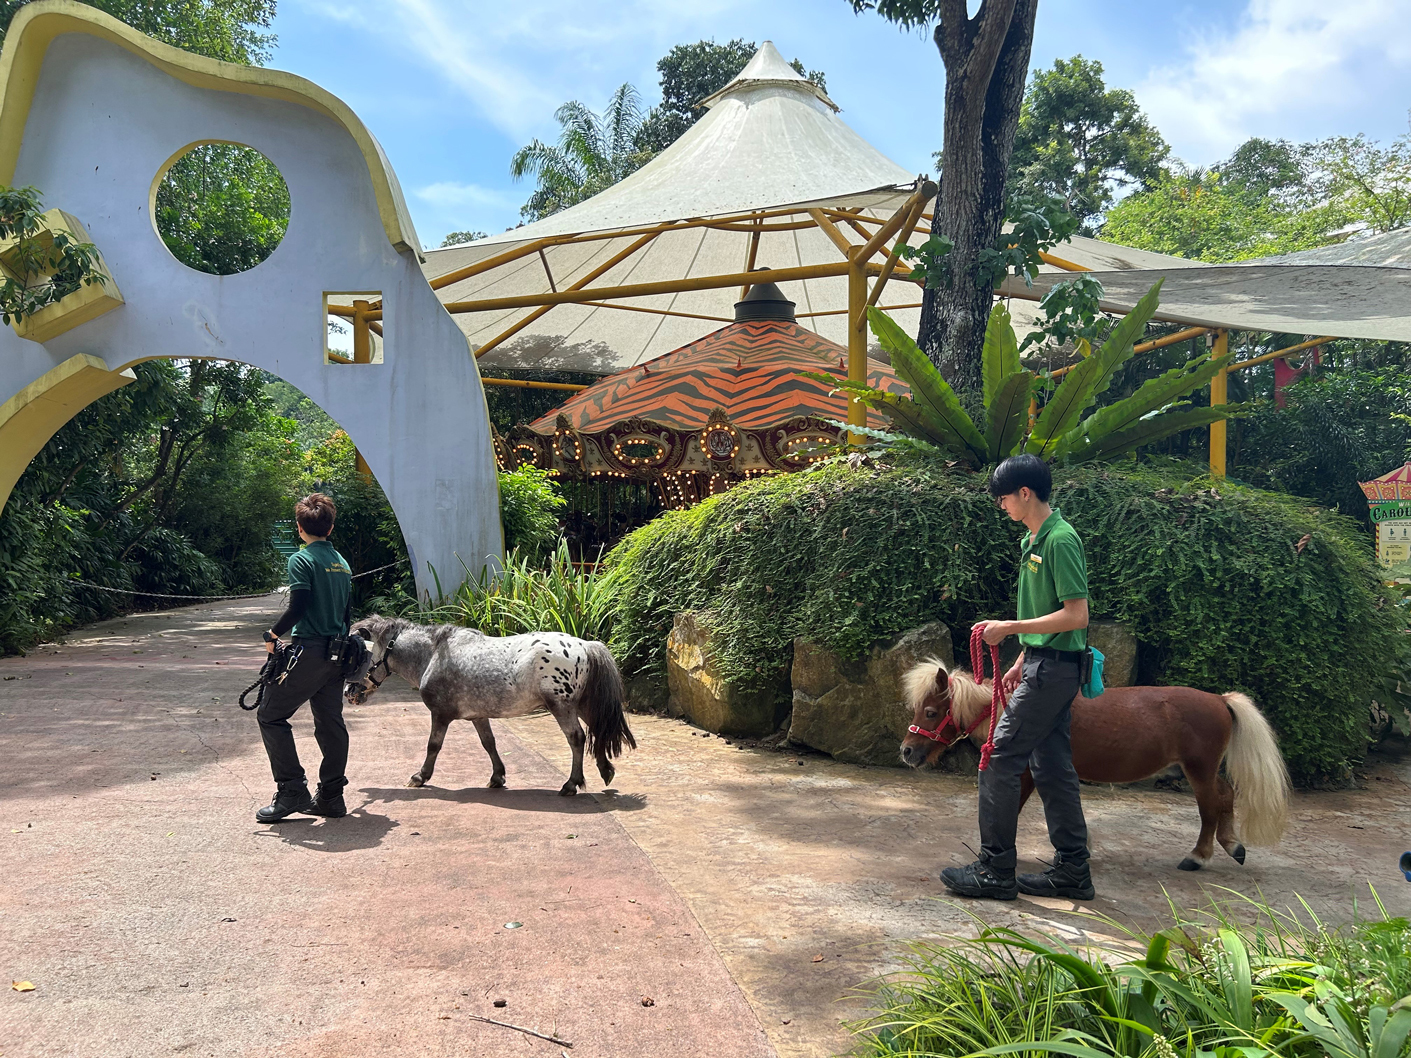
(463, 674)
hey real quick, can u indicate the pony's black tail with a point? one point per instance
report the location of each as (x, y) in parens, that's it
(600, 703)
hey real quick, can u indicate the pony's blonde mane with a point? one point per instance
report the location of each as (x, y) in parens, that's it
(968, 698)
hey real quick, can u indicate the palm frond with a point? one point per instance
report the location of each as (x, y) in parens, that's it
(1000, 357)
(1145, 431)
(929, 389)
(1006, 415)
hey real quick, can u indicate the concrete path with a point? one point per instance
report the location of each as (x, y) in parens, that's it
(745, 892)
(155, 916)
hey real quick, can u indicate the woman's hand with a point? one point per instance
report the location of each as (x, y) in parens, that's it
(269, 643)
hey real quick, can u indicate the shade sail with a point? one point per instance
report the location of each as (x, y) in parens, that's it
(772, 141)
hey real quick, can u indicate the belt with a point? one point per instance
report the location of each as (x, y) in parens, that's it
(1074, 656)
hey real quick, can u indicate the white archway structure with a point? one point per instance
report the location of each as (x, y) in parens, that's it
(91, 112)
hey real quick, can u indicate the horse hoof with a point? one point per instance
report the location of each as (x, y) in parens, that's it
(1189, 864)
(607, 773)
(568, 789)
(1238, 853)
(497, 782)
(416, 780)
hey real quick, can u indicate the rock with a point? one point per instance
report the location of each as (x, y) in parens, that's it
(646, 692)
(698, 692)
(1119, 652)
(854, 709)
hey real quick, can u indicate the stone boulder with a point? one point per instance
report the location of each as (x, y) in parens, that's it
(854, 709)
(1119, 652)
(698, 692)
(646, 692)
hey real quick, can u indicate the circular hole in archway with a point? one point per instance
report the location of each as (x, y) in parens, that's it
(221, 208)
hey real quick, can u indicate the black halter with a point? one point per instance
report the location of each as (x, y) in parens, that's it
(382, 663)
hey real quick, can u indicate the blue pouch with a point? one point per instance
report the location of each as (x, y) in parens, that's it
(1092, 674)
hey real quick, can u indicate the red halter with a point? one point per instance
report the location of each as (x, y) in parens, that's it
(996, 706)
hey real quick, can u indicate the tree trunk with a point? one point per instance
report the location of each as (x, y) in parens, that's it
(987, 63)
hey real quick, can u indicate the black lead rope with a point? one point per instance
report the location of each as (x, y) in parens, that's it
(277, 665)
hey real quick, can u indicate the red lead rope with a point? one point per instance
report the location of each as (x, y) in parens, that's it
(997, 698)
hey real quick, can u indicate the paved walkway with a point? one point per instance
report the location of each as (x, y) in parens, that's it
(745, 892)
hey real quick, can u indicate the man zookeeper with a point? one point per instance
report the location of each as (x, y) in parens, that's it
(1034, 730)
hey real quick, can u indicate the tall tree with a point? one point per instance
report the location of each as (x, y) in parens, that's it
(594, 152)
(1080, 141)
(689, 73)
(222, 208)
(986, 57)
(230, 30)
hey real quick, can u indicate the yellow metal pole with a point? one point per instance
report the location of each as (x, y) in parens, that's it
(1281, 352)
(360, 465)
(526, 384)
(362, 334)
(857, 336)
(1219, 395)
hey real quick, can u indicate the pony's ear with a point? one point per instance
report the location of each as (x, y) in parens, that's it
(942, 679)
(363, 633)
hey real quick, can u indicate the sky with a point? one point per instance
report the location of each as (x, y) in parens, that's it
(452, 88)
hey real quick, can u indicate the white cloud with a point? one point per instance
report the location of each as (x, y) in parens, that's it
(516, 61)
(1286, 64)
(450, 195)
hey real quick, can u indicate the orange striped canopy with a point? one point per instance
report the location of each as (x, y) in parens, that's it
(749, 368)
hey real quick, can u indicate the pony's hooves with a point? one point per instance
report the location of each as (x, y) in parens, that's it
(607, 773)
(1238, 853)
(497, 782)
(1189, 864)
(416, 780)
(568, 789)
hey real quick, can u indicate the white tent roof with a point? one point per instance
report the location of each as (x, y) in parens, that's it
(772, 139)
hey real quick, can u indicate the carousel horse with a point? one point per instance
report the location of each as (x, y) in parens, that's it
(1131, 733)
(463, 674)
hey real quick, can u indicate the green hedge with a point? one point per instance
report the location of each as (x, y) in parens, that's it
(1210, 578)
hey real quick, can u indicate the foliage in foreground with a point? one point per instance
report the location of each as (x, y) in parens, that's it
(1218, 583)
(1215, 985)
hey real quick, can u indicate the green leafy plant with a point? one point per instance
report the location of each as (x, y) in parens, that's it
(559, 595)
(43, 266)
(530, 503)
(1216, 985)
(1064, 430)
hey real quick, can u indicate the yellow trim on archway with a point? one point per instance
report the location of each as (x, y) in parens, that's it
(35, 413)
(37, 24)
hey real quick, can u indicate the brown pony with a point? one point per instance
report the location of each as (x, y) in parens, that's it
(1132, 733)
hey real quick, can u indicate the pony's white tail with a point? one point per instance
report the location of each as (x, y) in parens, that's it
(1257, 769)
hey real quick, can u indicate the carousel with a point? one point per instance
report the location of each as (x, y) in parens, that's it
(727, 407)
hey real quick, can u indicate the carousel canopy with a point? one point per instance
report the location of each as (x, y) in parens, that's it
(727, 406)
(1395, 485)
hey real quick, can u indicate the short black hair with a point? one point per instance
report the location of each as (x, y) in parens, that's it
(1017, 472)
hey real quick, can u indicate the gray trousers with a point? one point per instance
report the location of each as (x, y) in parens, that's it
(1034, 733)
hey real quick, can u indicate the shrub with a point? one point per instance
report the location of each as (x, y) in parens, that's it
(529, 511)
(1208, 985)
(1217, 582)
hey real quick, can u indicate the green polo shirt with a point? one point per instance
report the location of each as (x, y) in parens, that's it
(1052, 570)
(322, 570)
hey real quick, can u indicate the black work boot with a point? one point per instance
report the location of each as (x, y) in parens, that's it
(291, 798)
(1072, 881)
(328, 801)
(980, 879)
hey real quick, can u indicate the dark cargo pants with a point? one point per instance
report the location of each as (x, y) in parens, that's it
(318, 681)
(1034, 732)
